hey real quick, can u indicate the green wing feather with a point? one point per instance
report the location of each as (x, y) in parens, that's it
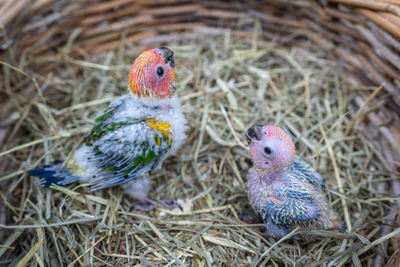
(127, 149)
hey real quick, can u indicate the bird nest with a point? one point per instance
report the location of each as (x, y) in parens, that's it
(326, 73)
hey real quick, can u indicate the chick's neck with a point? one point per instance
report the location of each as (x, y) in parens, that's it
(262, 172)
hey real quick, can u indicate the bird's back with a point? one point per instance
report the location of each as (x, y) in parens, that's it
(304, 172)
(306, 179)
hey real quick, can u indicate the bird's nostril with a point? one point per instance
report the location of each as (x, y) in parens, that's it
(267, 150)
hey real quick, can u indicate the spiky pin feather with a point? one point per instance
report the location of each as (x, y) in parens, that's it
(132, 136)
(284, 189)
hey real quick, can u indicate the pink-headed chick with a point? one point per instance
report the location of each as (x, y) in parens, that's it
(285, 190)
(131, 138)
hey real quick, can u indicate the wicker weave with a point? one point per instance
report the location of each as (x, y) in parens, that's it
(363, 37)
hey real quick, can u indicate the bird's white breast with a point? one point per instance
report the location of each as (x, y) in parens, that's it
(166, 110)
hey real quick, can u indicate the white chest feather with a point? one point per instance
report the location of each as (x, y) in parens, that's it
(165, 110)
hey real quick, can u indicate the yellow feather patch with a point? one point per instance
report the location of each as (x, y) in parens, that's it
(163, 127)
(72, 165)
(157, 139)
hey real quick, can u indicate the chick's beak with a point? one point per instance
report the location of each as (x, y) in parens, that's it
(254, 133)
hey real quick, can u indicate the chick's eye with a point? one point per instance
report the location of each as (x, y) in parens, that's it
(267, 150)
(160, 71)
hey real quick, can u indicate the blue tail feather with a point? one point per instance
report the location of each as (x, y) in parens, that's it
(41, 172)
(53, 174)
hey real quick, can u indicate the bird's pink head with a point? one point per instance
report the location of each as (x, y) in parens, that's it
(271, 149)
(152, 74)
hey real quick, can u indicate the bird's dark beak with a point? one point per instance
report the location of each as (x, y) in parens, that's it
(254, 133)
(167, 55)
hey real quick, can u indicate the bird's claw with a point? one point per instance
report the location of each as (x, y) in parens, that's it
(249, 219)
(144, 206)
(170, 203)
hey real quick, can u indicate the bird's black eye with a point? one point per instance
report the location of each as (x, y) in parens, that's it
(267, 150)
(160, 71)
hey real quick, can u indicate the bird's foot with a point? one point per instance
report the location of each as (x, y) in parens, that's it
(170, 203)
(248, 219)
(277, 231)
(252, 219)
(272, 233)
(144, 205)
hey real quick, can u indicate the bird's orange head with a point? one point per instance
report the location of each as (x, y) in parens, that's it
(152, 74)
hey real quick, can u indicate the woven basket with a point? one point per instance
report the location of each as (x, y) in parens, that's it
(362, 37)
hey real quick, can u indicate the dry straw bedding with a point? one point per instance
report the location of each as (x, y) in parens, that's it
(227, 82)
(226, 85)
